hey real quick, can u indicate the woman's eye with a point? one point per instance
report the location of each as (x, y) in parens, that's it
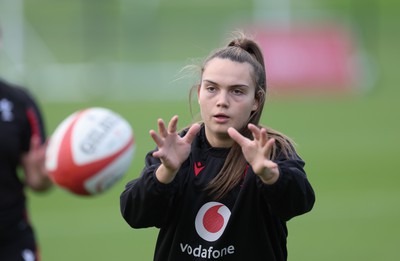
(210, 88)
(237, 91)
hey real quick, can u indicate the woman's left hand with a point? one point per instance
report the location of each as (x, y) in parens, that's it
(258, 152)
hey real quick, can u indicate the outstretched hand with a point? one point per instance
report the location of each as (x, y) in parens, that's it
(173, 150)
(258, 152)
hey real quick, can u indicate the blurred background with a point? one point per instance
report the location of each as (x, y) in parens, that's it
(332, 75)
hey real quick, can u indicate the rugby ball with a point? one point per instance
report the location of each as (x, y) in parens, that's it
(90, 151)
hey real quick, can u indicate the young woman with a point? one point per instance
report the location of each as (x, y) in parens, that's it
(225, 188)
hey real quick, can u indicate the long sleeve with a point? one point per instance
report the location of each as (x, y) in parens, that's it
(292, 194)
(145, 202)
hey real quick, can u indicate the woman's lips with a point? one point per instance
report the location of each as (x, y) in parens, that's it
(221, 118)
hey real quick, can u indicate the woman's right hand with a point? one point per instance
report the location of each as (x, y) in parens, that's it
(173, 150)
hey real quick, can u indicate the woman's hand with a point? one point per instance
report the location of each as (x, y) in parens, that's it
(173, 150)
(33, 163)
(258, 152)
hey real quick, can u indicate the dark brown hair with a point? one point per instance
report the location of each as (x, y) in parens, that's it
(243, 49)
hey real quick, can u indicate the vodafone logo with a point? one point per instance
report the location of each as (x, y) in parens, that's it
(210, 223)
(211, 220)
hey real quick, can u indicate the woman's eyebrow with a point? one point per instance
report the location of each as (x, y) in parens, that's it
(231, 86)
(209, 81)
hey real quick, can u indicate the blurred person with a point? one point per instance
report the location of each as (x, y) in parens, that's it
(223, 188)
(22, 155)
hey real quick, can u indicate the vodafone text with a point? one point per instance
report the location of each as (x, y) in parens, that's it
(207, 253)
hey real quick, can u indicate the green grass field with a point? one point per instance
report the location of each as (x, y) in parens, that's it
(350, 142)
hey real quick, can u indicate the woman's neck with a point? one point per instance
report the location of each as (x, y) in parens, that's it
(219, 141)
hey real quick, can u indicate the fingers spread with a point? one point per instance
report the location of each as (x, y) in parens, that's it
(263, 137)
(157, 139)
(254, 130)
(161, 128)
(173, 123)
(236, 136)
(268, 148)
(191, 134)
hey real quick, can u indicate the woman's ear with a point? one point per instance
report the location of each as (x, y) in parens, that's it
(256, 104)
(257, 100)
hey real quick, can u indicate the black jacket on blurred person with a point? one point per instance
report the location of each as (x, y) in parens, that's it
(21, 126)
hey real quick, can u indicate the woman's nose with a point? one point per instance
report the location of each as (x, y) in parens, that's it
(223, 99)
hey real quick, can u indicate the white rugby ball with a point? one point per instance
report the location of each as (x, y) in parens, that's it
(90, 151)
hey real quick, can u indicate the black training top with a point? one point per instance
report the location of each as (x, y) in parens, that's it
(19, 120)
(247, 224)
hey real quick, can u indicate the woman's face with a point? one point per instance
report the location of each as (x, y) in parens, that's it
(226, 97)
